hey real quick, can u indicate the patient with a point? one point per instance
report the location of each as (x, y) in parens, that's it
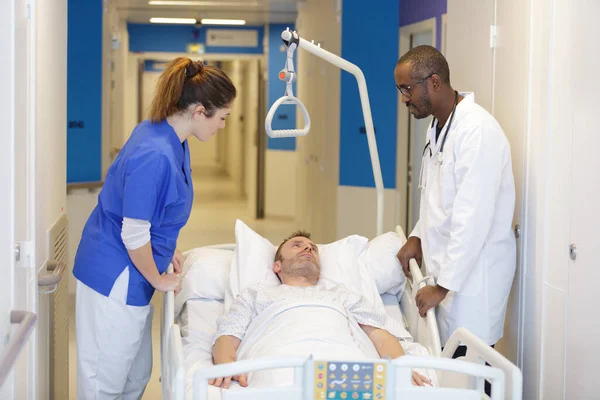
(335, 329)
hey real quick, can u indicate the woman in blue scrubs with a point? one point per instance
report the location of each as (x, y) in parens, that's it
(131, 236)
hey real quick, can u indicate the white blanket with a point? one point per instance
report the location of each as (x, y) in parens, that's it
(293, 328)
(326, 332)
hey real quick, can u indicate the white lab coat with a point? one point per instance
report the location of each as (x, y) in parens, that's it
(466, 211)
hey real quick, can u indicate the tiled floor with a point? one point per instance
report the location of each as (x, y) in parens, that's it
(217, 205)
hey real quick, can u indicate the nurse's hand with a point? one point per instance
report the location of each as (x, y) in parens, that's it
(411, 249)
(168, 282)
(429, 297)
(177, 261)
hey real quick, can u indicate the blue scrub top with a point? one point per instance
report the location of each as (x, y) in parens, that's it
(149, 180)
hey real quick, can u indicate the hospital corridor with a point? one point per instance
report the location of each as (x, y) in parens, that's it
(299, 199)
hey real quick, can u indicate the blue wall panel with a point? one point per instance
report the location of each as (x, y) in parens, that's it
(285, 117)
(369, 40)
(84, 92)
(175, 38)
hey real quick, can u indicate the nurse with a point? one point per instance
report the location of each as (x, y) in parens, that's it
(131, 236)
(464, 232)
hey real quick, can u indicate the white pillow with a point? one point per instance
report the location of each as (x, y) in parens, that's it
(380, 258)
(206, 275)
(252, 262)
(255, 255)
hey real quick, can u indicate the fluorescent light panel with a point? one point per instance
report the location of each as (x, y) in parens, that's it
(208, 21)
(203, 3)
(172, 20)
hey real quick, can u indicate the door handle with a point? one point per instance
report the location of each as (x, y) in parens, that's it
(26, 321)
(56, 270)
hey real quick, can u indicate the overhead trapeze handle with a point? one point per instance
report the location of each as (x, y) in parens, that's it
(281, 133)
(291, 40)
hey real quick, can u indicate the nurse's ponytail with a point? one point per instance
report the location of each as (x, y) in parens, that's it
(184, 83)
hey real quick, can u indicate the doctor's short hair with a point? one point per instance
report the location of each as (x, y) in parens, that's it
(184, 83)
(299, 233)
(425, 61)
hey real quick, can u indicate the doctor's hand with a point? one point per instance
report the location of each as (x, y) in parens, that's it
(177, 262)
(225, 382)
(411, 249)
(429, 297)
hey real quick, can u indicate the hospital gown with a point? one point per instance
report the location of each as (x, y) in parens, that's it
(256, 298)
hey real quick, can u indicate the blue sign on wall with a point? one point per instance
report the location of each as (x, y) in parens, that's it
(176, 38)
(84, 91)
(374, 49)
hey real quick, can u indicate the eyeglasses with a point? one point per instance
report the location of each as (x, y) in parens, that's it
(405, 90)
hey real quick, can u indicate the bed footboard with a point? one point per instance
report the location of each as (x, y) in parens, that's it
(391, 379)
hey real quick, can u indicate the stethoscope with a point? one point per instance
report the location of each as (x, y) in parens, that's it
(440, 153)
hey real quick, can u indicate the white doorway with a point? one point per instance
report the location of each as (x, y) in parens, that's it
(17, 178)
(411, 133)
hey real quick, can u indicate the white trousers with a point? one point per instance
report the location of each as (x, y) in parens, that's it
(114, 344)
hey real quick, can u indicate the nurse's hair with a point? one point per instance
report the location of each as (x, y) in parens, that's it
(287, 239)
(185, 82)
(426, 60)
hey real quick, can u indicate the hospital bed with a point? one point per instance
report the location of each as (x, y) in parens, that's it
(186, 364)
(186, 370)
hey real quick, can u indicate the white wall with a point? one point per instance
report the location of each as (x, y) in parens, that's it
(281, 191)
(354, 217)
(251, 132)
(50, 150)
(120, 57)
(149, 81)
(131, 96)
(318, 87)
(235, 139)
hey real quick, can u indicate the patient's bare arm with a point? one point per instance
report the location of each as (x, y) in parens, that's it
(224, 351)
(387, 345)
(225, 348)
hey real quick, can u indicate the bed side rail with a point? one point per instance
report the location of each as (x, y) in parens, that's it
(479, 352)
(424, 330)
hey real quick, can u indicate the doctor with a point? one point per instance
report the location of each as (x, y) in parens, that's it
(464, 232)
(131, 236)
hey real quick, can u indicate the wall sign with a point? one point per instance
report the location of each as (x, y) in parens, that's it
(232, 37)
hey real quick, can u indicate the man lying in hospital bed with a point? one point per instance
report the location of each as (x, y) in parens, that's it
(301, 317)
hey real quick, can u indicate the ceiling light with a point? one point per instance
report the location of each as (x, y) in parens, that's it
(203, 3)
(206, 21)
(172, 20)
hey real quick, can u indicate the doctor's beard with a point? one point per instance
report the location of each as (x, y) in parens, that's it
(422, 108)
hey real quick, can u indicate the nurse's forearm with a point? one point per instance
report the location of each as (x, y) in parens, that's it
(144, 262)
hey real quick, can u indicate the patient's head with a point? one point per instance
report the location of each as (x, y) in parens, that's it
(297, 260)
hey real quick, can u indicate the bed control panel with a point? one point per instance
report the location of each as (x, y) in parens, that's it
(349, 380)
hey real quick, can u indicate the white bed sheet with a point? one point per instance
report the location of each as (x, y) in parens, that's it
(197, 322)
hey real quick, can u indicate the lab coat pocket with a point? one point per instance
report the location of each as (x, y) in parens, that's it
(447, 185)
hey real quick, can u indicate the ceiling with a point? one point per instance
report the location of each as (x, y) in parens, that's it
(255, 12)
